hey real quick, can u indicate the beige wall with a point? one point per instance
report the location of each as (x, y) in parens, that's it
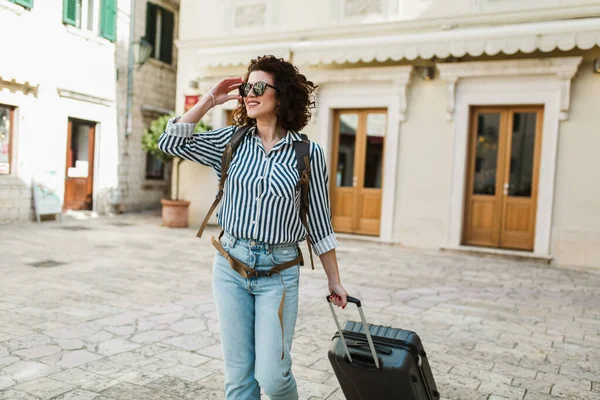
(576, 215)
(199, 185)
(425, 161)
(424, 167)
(232, 20)
(426, 142)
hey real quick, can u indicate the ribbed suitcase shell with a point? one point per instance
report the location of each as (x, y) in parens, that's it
(399, 376)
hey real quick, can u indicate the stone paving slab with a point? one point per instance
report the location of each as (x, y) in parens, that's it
(128, 314)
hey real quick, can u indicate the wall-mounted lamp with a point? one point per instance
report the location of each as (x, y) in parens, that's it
(597, 65)
(141, 51)
(427, 73)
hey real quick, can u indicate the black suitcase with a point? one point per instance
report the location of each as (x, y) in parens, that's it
(380, 363)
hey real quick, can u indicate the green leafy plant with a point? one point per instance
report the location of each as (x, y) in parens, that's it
(150, 143)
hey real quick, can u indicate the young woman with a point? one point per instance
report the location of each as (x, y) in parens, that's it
(261, 221)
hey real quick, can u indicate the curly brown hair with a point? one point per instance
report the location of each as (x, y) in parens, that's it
(295, 94)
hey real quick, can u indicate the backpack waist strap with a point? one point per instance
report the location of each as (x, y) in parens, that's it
(248, 272)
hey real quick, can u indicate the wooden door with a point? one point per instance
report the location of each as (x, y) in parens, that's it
(79, 173)
(229, 117)
(502, 180)
(6, 138)
(357, 173)
(521, 177)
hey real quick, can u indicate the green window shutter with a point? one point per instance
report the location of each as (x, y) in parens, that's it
(70, 9)
(108, 19)
(151, 27)
(166, 36)
(24, 3)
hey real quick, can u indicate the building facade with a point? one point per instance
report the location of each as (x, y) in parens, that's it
(143, 179)
(463, 125)
(64, 137)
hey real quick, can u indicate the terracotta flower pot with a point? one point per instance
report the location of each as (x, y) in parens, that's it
(175, 213)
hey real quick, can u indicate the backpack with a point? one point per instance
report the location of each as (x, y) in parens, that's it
(302, 150)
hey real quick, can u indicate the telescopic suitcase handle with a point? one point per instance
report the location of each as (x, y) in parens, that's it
(365, 327)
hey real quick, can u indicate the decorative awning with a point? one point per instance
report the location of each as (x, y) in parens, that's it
(240, 55)
(491, 40)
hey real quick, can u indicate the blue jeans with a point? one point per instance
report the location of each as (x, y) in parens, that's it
(249, 320)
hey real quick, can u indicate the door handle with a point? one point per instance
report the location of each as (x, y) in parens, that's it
(506, 186)
(354, 181)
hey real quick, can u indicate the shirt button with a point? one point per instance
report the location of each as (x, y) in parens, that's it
(253, 222)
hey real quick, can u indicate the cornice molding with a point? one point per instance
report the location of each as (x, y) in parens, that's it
(563, 69)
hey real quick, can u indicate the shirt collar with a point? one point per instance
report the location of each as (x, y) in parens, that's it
(289, 138)
(293, 137)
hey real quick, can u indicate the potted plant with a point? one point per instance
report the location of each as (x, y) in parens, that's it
(175, 211)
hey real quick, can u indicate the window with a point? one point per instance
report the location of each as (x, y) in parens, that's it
(24, 3)
(6, 128)
(155, 168)
(160, 24)
(90, 15)
(96, 16)
(87, 15)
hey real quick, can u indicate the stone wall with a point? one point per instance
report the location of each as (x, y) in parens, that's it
(153, 95)
(15, 200)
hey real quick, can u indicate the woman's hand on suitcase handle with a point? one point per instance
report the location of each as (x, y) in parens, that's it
(339, 295)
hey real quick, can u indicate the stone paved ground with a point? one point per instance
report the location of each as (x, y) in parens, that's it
(130, 316)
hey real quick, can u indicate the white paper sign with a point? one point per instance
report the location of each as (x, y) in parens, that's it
(79, 171)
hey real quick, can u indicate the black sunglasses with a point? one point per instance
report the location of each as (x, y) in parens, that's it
(258, 88)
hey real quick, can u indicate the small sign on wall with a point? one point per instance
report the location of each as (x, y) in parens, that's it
(190, 101)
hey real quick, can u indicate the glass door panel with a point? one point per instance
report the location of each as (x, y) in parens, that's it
(374, 152)
(486, 154)
(347, 136)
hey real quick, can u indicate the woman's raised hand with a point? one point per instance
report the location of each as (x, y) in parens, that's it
(220, 92)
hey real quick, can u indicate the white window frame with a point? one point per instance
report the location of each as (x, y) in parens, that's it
(11, 7)
(372, 87)
(82, 18)
(158, 33)
(544, 82)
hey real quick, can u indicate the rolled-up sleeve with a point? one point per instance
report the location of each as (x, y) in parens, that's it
(319, 210)
(206, 148)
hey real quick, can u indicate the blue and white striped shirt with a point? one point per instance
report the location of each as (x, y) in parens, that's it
(261, 201)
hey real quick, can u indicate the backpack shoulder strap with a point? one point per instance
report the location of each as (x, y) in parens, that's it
(302, 149)
(236, 139)
(238, 136)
